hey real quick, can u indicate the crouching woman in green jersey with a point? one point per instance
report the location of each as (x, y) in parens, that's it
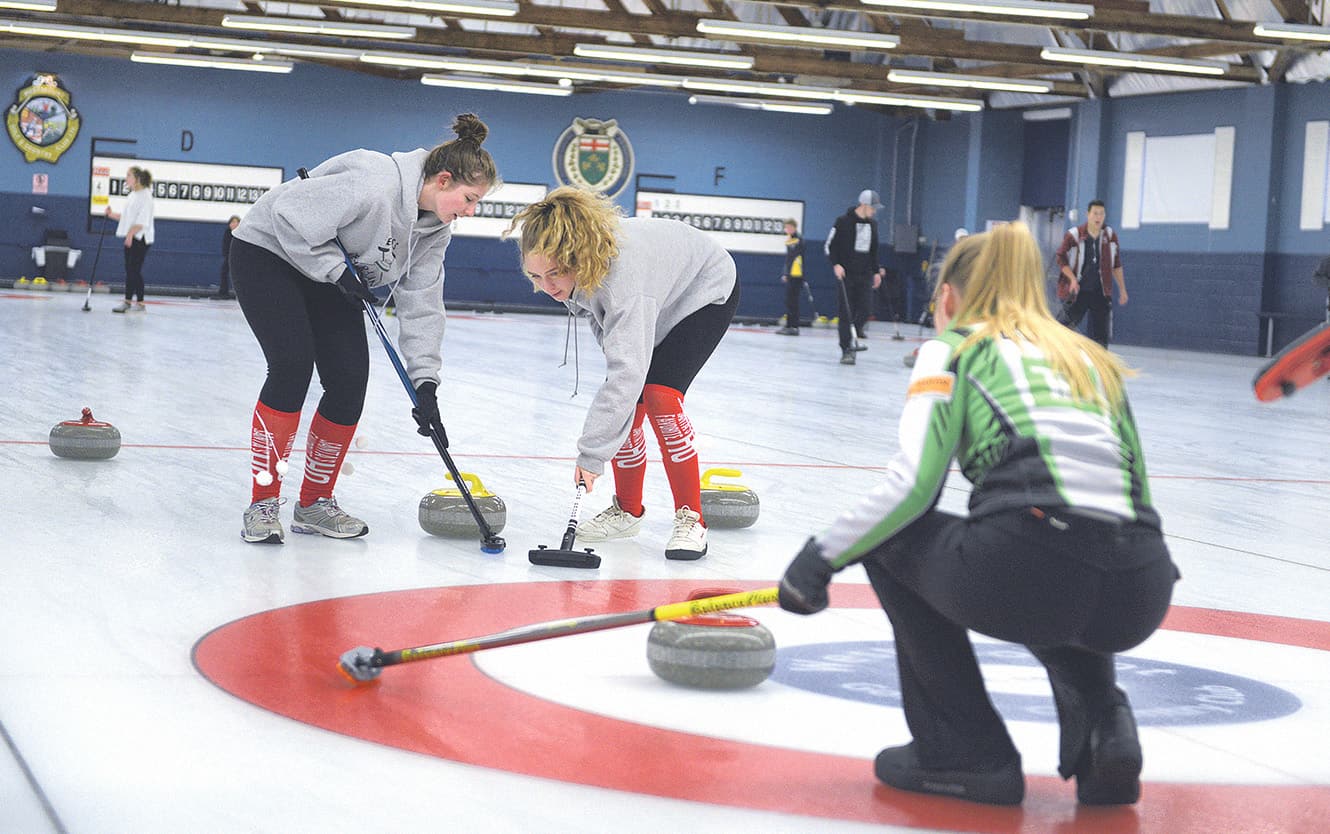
(1061, 550)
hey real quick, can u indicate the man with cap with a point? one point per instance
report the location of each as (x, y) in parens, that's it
(853, 252)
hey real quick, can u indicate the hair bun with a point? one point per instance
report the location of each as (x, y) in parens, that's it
(470, 128)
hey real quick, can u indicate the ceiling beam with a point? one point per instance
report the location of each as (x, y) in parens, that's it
(917, 40)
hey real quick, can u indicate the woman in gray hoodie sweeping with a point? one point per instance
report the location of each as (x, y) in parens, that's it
(394, 215)
(660, 295)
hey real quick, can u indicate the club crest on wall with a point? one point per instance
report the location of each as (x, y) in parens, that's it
(42, 123)
(595, 155)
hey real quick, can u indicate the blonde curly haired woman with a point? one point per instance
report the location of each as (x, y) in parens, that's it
(1062, 550)
(660, 295)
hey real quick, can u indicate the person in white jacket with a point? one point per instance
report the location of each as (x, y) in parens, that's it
(660, 295)
(136, 227)
(394, 215)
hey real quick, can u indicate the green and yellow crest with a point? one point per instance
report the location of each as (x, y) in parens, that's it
(42, 123)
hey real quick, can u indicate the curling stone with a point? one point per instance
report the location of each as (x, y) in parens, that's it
(910, 358)
(727, 505)
(85, 438)
(101, 287)
(712, 651)
(39, 283)
(22, 283)
(444, 512)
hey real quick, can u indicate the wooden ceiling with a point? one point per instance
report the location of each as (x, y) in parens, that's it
(940, 41)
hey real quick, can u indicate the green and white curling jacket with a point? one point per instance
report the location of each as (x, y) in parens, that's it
(1009, 420)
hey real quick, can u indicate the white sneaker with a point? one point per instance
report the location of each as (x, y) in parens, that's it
(613, 522)
(140, 307)
(689, 539)
(121, 307)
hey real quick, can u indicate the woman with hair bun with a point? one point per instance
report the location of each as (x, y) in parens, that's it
(660, 295)
(1062, 550)
(394, 214)
(136, 227)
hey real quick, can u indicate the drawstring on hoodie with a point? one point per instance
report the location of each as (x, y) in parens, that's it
(571, 329)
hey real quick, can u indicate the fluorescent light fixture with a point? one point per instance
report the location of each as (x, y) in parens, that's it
(474, 65)
(131, 36)
(967, 105)
(29, 5)
(759, 88)
(978, 82)
(316, 26)
(607, 76)
(1056, 114)
(471, 82)
(328, 53)
(676, 57)
(1010, 8)
(55, 30)
(1284, 31)
(407, 59)
(494, 8)
(768, 105)
(797, 34)
(179, 59)
(1133, 60)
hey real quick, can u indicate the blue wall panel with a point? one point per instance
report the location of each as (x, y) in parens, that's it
(1190, 286)
(1044, 163)
(943, 172)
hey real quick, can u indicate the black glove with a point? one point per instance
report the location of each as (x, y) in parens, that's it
(426, 411)
(353, 288)
(803, 589)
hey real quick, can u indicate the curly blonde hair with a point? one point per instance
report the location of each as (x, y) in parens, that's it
(576, 229)
(999, 275)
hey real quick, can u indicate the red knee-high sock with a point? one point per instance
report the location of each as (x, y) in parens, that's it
(630, 465)
(675, 433)
(324, 454)
(272, 434)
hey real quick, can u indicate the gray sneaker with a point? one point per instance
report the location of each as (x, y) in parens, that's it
(122, 307)
(261, 522)
(326, 518)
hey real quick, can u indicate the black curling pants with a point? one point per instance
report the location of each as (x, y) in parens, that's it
(794, 288)
(302, 324)
(1074, 590)
(856, 291)
(1099, 306)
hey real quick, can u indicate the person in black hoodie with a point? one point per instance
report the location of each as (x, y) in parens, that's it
(853, 252)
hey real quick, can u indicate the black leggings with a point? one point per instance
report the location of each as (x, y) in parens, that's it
(302, 324)
(686, 348)
(135, 254)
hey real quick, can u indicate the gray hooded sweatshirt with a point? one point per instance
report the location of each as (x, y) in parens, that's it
(665, 271)
(371, 202)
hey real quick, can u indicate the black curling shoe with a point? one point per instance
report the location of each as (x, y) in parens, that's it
(1110, 769)
(1001, 785)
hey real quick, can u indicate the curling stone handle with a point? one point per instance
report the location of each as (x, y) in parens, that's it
(473, 484)
(721, 473)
